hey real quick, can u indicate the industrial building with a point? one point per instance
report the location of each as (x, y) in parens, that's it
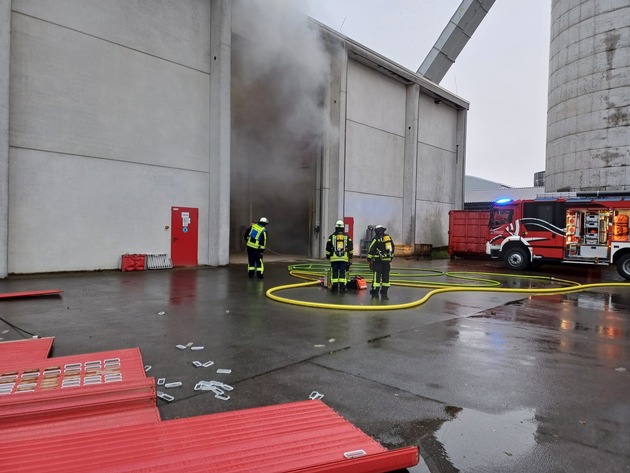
(165, 129)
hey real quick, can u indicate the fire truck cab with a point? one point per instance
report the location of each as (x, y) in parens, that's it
(584, 230)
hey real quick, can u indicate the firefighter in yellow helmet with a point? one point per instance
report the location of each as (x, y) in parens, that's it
(380, 255)
(256, 241)
(339, 252)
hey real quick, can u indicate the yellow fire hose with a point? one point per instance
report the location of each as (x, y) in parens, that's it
(314, 271)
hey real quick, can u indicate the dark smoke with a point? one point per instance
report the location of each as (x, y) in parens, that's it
(280, 72)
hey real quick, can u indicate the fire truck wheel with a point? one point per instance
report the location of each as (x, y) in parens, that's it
(516, 258)
(623, 266)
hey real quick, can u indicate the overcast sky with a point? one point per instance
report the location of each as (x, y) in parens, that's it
(502, 71)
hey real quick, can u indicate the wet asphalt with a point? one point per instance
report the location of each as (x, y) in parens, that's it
(481, 381)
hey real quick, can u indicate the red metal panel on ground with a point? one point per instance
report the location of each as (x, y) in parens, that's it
(76, 393)
(21, 377)
(35, 407)
(45, 414)
(47, 292)
(79, 421)
(289, 437)
(24, 351)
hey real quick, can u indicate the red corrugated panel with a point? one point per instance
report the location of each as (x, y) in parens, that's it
(40, 410)
(46, 292)
(67, 372)
(282, 438)
(25, 351)
(79, 421)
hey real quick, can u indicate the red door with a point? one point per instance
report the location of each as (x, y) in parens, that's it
(184, 237)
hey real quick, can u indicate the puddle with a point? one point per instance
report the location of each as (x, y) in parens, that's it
(483, 442)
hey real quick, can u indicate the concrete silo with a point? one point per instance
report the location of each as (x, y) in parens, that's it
(588, 122)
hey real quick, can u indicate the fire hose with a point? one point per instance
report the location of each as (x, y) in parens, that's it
(408, 277)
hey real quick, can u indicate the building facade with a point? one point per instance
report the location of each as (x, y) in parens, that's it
(115, 114)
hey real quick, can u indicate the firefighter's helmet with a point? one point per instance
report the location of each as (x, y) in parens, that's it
(380, 228)
(263, 220)
(339, 224)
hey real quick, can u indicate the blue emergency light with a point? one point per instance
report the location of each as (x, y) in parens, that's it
(503, 201)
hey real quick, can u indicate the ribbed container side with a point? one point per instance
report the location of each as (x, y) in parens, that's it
(588, 120)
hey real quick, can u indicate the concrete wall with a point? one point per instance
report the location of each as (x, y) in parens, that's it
(109, 129)
(5, 68)
(588, 137)
(404, 165)
(375, 138)
(438, 178)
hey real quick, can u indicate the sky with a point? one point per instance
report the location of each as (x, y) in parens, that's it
(502, 71)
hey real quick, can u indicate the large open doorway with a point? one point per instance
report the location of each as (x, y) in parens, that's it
(278, 121)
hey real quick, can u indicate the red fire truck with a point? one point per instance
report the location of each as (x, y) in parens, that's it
(589, 229)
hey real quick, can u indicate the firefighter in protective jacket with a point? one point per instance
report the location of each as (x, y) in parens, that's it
(256, 241)
(339, 252)
(380, 255)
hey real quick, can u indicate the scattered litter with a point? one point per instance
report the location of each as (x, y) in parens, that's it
(217, 387)
(198, 364)
(166, 397)
(207, 364)
(4, 331)
(621, 368)
(161, 381)
(147, 367)
(189, 344)
(224, 371)
(227, 311)
(332, 340)
(161, 312)
(175, 384)
(181, 347)
(196, 348)
(315, 396)
(319, 346)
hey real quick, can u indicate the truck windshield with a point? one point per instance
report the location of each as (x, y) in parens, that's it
(500, 217)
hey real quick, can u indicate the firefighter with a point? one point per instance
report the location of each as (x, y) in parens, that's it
(339, 252)
(256, 241)
(380, 255)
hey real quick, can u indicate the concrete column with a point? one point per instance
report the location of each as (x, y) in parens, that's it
(5, 69)
(459, 192)
(220, 132)
(410, 178)
(333, 164)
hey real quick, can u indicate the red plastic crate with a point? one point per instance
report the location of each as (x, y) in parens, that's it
(133, 262)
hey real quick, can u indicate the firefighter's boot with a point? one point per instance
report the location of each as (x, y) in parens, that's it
(342, 287)
(374, 291)
(260, 275)
(384, 292)
(251, 273)
(334, 287)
